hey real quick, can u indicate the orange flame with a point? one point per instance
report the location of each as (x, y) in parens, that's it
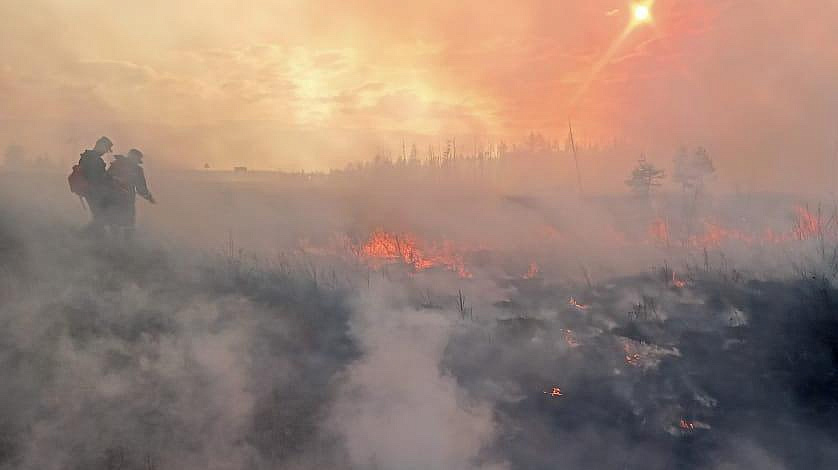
(679, 283)
(388, 247)
(631, 355)
(570, 338)
(555, 392)
(573, 303)
(806, 225)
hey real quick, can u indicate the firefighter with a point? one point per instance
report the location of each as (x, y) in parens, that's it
(128, 180)
(97, 183)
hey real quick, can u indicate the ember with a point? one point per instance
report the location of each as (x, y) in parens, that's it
(686, 425)
(555, 392)
(573, 303)
(679, 283)
(570, 338)
(631, 355)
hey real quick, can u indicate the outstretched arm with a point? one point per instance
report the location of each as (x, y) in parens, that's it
(142, 187)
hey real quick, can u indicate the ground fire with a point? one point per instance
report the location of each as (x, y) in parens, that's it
(686, 425)
(575, 304)
(677, 282)
(570, 338)
(384, 247)
(554, 392)
(632, 357)
(383, 233)
(805, 226)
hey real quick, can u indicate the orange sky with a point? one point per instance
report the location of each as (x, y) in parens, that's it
(315, 83)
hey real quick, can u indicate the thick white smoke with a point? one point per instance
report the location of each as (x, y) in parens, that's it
(396, 407)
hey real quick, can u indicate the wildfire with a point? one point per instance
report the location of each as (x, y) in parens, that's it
(570, 338)
(573, 303)
(643, 355)
(714, 235)
(632, 354)
(532, 272)
(806, 225)
(554, 392)
(679, 283)
(632, 357)
(385, 247)
(686, 425)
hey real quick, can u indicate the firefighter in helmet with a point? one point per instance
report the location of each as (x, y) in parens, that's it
(129, 181)
(92, 168)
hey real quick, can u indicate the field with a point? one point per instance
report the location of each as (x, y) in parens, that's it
(373, 320)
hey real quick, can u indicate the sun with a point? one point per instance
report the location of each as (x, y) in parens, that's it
(641, 13)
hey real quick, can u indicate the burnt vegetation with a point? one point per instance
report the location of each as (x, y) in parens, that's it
(116, 359)
(663, 375)
(695, 331)
(685, 378)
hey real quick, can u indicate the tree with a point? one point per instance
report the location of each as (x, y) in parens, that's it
(414, 155)
(644, 177)
(536, 142)
(502, 149)
(691, 170)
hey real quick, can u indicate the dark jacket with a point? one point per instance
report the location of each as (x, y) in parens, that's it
(93, 168)
(128, 180)
(129, 177)
(98, 184)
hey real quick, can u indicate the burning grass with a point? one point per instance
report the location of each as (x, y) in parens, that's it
(805, 225)
(674, 375)
(663, 369)
(384, 247)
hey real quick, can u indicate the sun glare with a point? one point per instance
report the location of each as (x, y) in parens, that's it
(641, 13)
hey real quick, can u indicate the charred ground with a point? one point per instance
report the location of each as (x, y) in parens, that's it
(643, 351)
(690, 382)
(138, 358)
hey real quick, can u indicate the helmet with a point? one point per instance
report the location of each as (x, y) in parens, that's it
(135, 155)
(103, 145)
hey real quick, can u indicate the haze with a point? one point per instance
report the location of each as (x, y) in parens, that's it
(362, 235)
(312, 85)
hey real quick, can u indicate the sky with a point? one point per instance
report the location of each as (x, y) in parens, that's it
(315, 84)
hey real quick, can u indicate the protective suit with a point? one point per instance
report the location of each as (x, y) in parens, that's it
(128, 181)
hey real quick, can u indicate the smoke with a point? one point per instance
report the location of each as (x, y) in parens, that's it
(137, 358)
(396, 408)
(711, 375)
(248, 328)
(339, 88)
(469, 303)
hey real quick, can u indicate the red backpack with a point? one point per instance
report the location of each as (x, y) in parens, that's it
(78, 183)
